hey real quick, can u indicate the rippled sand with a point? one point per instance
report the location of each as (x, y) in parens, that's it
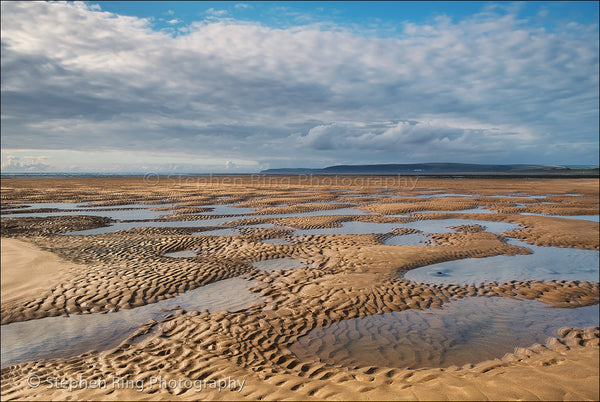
(347, 277)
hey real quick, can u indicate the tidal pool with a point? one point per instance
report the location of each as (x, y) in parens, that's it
(127, 215)
(50, 205)
(409, 239)
(182, 254)
(117, 212)
(545, 264)
(593, 218)
(226, 210)
(476, 210)
(358, 195)
(325, 212)
(352, 227)
(444, 225)
(219, 232)
(469, 330)
(443, 195)
(276, 241)
(535, 197)
(150, 224)
(426, 226)
(52, 337)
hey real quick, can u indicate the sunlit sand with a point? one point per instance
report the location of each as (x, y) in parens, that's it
(253, 290)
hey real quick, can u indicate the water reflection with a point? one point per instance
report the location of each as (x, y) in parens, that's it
(464, 331)
(69, 336)
(546, 263)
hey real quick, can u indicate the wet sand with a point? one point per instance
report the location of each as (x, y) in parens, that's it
(346, 277)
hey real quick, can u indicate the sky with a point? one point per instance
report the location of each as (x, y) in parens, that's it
(237, 87)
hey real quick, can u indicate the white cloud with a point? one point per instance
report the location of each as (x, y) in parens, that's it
(216, 13)
(330, 136)
(413, 138)
(82, 79)
(25, 164)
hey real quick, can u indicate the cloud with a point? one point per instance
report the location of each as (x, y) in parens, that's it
(330, 136)
(25, 164)
(405, 134)
(242, 6)
(78, 78)
(407, 138)
(216, 13)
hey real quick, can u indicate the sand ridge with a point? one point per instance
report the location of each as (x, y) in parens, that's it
(27, 270)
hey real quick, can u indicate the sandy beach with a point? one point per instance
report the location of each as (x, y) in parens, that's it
(338, 230)
(27, 270)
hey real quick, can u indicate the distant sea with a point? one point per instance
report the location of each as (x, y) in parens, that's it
(19, 175)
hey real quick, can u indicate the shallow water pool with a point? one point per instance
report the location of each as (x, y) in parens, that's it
(276, 241)
(52, 337)
(117, 212)
(593, 218)
(477, 210)
(444, 225)
(203, 222)
(545, 264)
(226, 210)
(410, 239)
(219, 232)
(352, 227)
(465, 331)
(443, 195)
(182, 254)
(150, 224)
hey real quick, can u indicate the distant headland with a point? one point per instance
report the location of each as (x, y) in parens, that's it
(445, 169)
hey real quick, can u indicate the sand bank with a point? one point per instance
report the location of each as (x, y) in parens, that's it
(27, 270)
